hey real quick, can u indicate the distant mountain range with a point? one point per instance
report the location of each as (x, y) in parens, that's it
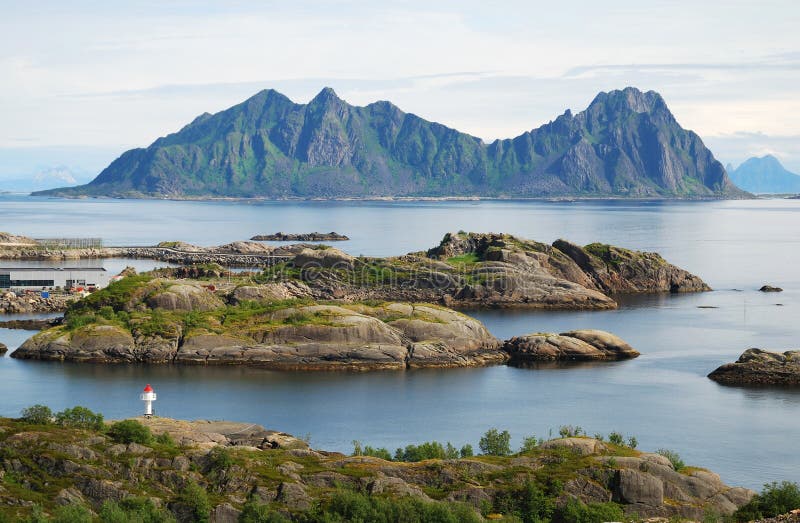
(44, 177)
(765, 175)
(625, 144)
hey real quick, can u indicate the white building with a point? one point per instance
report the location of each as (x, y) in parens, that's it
(39, 278)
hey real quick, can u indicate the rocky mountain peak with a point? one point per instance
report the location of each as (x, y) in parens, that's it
(625, 143)
(325, 96)
(631, 99)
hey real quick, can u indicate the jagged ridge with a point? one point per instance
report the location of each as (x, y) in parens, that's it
(626, 143)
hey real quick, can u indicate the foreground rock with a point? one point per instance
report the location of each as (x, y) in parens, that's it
(306, 237)
(580, 345)
(240, 463)
(224, 433)
(760, 367)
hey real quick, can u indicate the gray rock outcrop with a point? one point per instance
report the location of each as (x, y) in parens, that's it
(579, 345)
(760, 367)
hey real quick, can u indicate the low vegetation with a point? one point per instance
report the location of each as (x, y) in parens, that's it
(139, 483)
(775, 499)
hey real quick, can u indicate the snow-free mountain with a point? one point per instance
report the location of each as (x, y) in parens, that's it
(625, 144)
(765, 175)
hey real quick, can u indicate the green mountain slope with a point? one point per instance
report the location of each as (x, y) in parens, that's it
(627, 143)
(765, 175)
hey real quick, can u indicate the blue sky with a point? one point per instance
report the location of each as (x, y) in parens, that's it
(83, 81)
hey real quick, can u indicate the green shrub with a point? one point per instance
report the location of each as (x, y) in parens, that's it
(254, 512)
(356, 507)
(381, 452)
(80, 418)
(568, 431)
(76, 321)
(107, 312)
(427, 450)
(37, 515)
(134, 510)
(633, 442)
(220, 459)
(616, 438)
(529, 444)
(130, 431)
(673, 457)
(527, 502)
(73, 513)
(466, 451)
(164, 439)
(576, 512)
(195, 498)
(775, 499)
(495, 443)
(37, 414)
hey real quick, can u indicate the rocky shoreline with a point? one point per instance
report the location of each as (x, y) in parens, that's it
(11, 303)
(761, 367)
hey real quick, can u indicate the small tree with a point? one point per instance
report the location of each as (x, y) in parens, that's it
(130, 431)
(195, 498)
(616, 438)
(73, 513)
(673, 457)
(80, 418)
(466, 451)
(529, 444)
(495, 443)
(775, 499)
(37, 414)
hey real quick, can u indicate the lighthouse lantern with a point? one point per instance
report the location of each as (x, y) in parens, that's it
(148, 397)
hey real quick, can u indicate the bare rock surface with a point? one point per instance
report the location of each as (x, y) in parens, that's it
(761, 367)
(579, 345)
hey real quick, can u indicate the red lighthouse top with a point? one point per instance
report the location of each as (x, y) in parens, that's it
(148, 388)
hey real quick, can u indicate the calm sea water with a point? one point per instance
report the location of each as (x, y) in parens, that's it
(662, 397)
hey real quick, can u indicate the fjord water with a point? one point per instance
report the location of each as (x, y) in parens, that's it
(663, 397)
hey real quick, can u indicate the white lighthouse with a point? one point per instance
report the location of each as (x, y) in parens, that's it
(148, 397)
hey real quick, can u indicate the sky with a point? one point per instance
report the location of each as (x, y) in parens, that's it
(83, 81)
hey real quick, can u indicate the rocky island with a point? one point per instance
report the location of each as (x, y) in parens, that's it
(578, 345)
(761, 367)
(225, 472)
(465, 270)
(150, 319)
(305, 237)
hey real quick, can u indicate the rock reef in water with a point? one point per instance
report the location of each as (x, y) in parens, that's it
(761, 367)
(579, 345)
(303, 237)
